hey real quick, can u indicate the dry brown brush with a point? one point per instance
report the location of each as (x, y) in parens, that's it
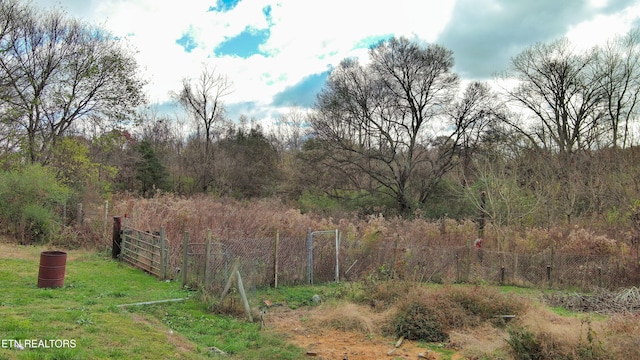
(404, 249)
(431, 314)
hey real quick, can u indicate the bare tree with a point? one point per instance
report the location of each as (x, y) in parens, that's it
(564, 114)
(58, 73)
(290, 130)
(472, 116)
(202, 98)
(382, 119)
(619, 63)
(560, 94)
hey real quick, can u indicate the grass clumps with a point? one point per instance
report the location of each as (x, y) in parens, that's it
(430, 314)
(528, 345)
(348, 317)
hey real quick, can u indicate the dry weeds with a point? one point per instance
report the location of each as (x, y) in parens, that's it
(350, 317)
(569, 331)
(599, 301)
(480, 341)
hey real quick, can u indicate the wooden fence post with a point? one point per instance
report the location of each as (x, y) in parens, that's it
(116, 237)
(80, 215)
(185, 258)
(243, 296)
(106, 215)
(234, 270)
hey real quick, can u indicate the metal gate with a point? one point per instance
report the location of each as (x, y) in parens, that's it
(146, 250)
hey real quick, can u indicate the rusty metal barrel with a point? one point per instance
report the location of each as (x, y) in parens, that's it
(52, 267)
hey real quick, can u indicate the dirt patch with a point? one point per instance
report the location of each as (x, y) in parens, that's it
(347, 331)
(13, 251)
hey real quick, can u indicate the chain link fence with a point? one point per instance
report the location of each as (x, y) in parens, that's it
(468, 264)
(209, 266)
(323, 256)
(209, 263)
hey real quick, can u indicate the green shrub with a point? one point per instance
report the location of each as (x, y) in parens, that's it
(416, 321)
(28, 199)
(38, 222)
(429, 314)
(524, 344)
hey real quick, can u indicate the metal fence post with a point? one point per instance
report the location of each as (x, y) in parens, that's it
(207, 253)
(310, 257)
(599, 276)
(275, 259)
(138, 239)
(468, 264)
(164, 255)
(337, 255)
(185, 258)
(149, 249)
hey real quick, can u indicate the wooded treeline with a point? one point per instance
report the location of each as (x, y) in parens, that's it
(550, 140)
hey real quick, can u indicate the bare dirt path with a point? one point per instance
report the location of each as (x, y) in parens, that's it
(305, 328)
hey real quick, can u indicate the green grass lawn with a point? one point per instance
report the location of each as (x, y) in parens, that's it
(85, 313)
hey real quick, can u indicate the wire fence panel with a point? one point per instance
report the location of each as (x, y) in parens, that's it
(289, 260)
(292, 261)
(209, 264)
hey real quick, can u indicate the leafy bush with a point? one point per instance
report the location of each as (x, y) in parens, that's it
(416, 321)
(524, 344)
(38, 223)
(28, 198)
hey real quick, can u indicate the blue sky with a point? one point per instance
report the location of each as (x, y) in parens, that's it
(278, 54)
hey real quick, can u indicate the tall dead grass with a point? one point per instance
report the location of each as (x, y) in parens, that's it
(261, 218)
(257, 218)
(411, 249)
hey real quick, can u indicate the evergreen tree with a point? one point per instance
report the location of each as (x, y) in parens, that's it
(151, 174)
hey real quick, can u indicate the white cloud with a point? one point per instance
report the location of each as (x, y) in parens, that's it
(306, 36)
(603, 27)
